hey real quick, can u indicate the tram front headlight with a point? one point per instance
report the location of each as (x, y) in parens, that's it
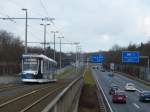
(35, 73)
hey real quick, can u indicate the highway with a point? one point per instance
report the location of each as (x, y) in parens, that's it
(133, 104)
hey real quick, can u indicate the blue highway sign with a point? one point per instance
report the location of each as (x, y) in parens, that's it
(98, 58)
(130, 56)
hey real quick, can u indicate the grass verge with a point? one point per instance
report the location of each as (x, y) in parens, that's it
(88, 79)
(65, 73)
(88, 99)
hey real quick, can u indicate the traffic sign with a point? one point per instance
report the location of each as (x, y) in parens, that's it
(98, 58)
(130, 56)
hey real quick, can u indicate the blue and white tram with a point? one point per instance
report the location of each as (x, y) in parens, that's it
(37, 68)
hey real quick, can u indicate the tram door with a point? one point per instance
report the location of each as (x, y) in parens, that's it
(40, 71)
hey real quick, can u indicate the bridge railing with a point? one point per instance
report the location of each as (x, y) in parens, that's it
(67, 100)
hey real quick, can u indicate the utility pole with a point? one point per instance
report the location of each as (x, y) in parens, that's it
(45, 25)
(60, 51)
(76, 43)
(26, 30)
(26, 23)
(60, 43)
(79, 52)
(54, 42)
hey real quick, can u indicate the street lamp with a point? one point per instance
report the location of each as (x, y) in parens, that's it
(60, 51)
(76, 43)
(78, 52)
(26, 30)
(44, 34)
(54, 42)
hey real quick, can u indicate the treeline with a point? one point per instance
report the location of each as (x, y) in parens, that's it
(115, 53)
(12, 48)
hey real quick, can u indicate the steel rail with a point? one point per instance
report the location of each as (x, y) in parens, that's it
(11, 87)
(22, 96)
(40, 99)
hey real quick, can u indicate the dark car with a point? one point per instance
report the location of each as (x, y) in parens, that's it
(103, 70)
(110, 74)
(113, 89)
(119, 97)
(144, 96)
(95, 67)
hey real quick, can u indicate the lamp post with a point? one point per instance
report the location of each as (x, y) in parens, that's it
(26, 29)
(76, 43)
(54, 32)
(79, 52)
(60, 51)
(45, 25)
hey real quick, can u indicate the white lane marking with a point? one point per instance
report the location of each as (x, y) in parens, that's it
(138, 90)
(136, 105)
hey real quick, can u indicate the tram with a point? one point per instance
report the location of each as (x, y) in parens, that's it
(38, 68)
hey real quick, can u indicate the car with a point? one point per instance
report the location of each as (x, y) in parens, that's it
(144, 96)
(95, 67)
(130, 87)
(110, 74)
(102, 70)
(113, 89)
(119, 97)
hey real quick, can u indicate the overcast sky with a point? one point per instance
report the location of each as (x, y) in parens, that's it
(96, 24)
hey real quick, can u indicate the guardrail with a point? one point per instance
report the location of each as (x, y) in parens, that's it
(67, 100)
(107, 106)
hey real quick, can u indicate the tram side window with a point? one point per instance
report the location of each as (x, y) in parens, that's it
(50, 66)
(53, 67)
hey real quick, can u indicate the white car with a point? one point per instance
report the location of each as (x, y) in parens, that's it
(130, 87)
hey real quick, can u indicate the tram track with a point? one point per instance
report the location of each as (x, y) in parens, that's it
(12, 93)
(38, 102)
(9, 87)
(28, 99)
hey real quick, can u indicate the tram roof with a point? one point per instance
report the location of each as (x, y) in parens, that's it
(38, 56)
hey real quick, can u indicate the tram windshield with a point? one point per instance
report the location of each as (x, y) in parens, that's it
(30, 64)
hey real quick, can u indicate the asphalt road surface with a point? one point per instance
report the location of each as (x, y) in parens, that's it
(133, 104)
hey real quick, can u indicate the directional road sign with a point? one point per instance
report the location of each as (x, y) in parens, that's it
(130, 56)
(98, 58)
